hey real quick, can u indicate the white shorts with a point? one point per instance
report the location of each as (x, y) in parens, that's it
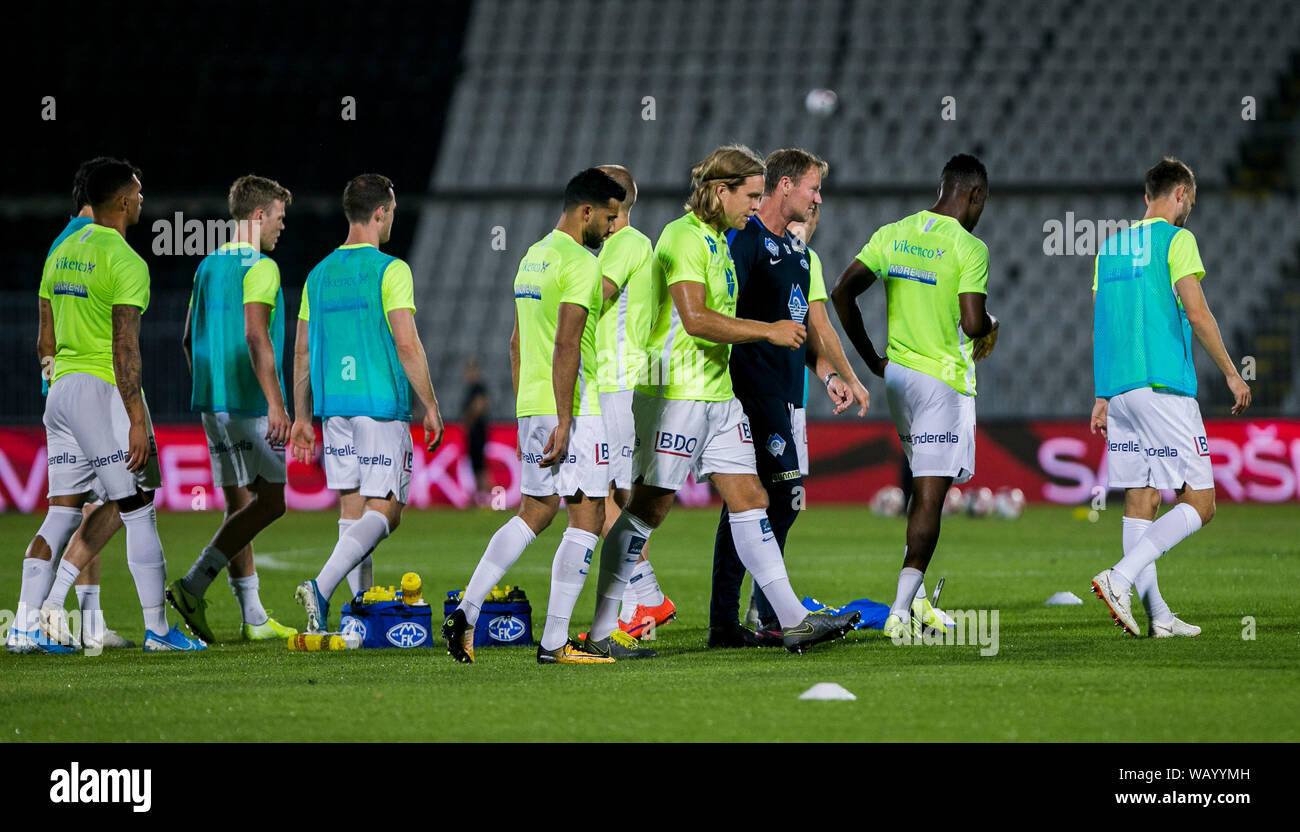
(87, 439)
(239, 450)
(799, 427)
(675, 437)
(620, 433)
(1156, 440)
(586, 468)
(935, 423)
(373, 455)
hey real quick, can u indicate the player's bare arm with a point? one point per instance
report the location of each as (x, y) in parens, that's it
(827, 359)
(855, 280)
(564, 375)
(415, 363)
(302, 436)
(514, 356)
(257, 334)
(699, 321)
(187, 341)
(609, 290)
(1207, 332)
(514, 373)
(1100, 407)
(46, 346)
(978, 324)
(127, 371)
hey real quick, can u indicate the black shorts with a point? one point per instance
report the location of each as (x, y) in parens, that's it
(775, 453)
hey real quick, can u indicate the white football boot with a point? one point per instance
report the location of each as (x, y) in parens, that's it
(1173, 627)
(1120, 606)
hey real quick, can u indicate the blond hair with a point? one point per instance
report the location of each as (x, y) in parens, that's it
(252, 192)
(730, 165)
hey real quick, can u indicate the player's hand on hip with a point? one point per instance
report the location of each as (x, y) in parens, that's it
(1240, 394)
(432, 429)
(788, 334)
(877, 367)
(278, 426)
(302, 442)
(557, 446)
(984, 344)
(137, 448)
(1098, 420)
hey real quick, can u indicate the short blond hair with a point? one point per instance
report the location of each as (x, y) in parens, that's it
(252, 192)
(731, 165)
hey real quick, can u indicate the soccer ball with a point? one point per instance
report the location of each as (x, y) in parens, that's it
(980, 502)
(888, 501)
(1010, 503)
(954, 502)
(821, 102)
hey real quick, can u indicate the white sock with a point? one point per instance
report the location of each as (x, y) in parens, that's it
(37, 578)
(568, 574)
(352, 548)
(1147, 587)
(630, 600)
(205, 569)
(250, 603)
(92, 617)
(59, 526)
(908, 580)
(1166, 533)
(144, 557)
(761, 555)
(646, 585)
(362, 576)
(618, 556)
(920, 588)
(502, 551)
(64, 577)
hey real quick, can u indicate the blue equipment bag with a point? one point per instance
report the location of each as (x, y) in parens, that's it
(500, 624)
(390, 624)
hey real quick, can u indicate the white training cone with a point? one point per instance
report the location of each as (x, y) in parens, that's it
(1063, 599)
(826, 691)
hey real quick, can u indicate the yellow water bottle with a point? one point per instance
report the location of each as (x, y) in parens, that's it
(316, 641)
(412, 591)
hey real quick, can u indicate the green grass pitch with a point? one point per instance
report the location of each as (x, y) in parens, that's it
(1061, 673)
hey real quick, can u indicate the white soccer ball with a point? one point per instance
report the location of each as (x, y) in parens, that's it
(1010, 503)
(954, 502)
(821, 102)
(980, 502)
(888, 501)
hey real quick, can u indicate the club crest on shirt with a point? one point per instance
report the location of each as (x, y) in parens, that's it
(798, 304)
(772, 247)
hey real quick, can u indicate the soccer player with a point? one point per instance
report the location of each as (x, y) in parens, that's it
(626, 266)
(935, 273)
(357, 357)
(553, 359)
(1147, 304)
(687, 415)
(776, 281)
(67, 514)
(234, 346)
(94, 290)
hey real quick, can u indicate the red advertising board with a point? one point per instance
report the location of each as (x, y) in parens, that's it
(1052, 461)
